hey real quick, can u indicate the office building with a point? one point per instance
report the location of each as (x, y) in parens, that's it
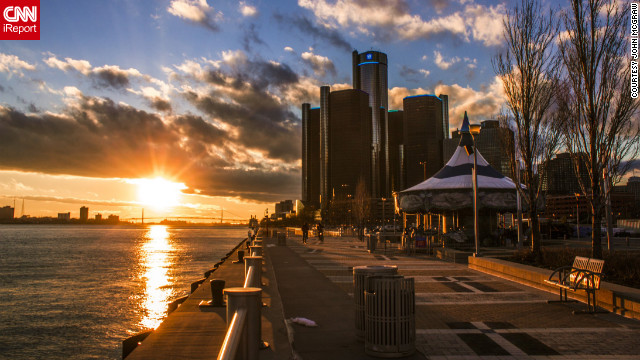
(311, 156)
(423, 135)
(324, 147)
(350, 139)
(396, 152)
(7, 212)
(84, 213)
(370, 75)
(560, 177)
(445, 114)
(64, 216)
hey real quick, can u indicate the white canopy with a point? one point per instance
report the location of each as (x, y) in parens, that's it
(451, 188)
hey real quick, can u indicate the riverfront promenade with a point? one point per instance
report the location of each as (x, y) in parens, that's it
(460, 313)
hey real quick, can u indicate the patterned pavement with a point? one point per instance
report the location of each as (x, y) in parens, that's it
(464, 314)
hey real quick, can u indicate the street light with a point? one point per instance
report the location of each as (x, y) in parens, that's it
(577, 195)
(473, 130)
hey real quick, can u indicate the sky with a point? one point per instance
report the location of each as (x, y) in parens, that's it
(207, 94)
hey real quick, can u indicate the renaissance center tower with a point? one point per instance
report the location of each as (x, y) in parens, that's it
(370, 76)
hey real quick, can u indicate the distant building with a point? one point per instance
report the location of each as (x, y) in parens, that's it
(560, 176)
(492, 142)
(98, 217)
(424, 131)
(284, 207)
(396, 149)
(445, 114)
(113, 219)
(84, 214)
(633, 187)
(7, 212)
(64, 216)
(311, 156)
(370, 75)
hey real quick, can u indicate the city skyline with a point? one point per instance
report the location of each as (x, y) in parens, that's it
(206, 94)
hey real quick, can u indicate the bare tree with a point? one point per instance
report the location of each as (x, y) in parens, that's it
(528, 68)
(595, 101)
(361, 206)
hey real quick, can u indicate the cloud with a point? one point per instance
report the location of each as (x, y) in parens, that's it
(413, 74)
(320, 64)
(481, 104)
(104, 76)
(289, 49)
(247, 10)
(12, 65)
(251, 38)
(441, 62)
(196, 11)
(389, 20)
(321, 33)
(250, 97)
(97, 137)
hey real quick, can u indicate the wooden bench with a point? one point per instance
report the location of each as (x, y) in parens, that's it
(584, 274)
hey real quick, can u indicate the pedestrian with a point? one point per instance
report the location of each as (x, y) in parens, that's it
(320, 229)
(305, 233)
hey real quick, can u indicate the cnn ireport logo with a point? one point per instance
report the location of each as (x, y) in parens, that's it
(20, 20)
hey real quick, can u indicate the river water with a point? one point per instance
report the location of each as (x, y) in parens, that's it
(78, 291)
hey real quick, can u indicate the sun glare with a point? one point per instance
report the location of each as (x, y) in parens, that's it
(159, 193)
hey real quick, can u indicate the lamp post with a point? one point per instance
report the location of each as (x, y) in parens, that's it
(577, 214)
(424, 170)
(473, 129)
(476, 230)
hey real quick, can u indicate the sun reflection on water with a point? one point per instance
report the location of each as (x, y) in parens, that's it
(156, 261)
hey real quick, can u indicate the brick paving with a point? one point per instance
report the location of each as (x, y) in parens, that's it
(464, 314)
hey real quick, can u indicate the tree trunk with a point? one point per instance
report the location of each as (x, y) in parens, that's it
(533, 221)
(596, 223)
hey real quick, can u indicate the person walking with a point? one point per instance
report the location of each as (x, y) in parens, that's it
(305, 233)
(320, 229)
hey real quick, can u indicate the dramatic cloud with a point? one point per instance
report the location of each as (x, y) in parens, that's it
(388, 20)
(318, 33)
(12, 65)
(98, 138)
(248, 95)
(247, 10)
(197, 11)
(320, 64)
(104, 76)
(480, 104)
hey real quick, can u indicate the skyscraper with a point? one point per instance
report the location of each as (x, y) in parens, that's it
(311, 156)
(396, 134)
(324, 147)
(84, 214)
(423, 136)
(445, 114)
(350, 137)
(370, 76)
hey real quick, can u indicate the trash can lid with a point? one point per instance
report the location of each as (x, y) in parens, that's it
(375, 269)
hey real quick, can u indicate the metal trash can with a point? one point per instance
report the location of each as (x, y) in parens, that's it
(360, 273)
(371, 242)
(282, 239)
(390, 326)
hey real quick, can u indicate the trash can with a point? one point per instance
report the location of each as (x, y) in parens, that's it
(282, 239)
(360, 273)
(371, 242)
(390, 327)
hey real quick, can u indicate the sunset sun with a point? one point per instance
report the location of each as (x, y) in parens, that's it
(159, 193)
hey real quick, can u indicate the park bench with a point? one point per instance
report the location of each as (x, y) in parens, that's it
(584, 274)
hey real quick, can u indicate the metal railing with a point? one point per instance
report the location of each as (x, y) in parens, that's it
(243, 338)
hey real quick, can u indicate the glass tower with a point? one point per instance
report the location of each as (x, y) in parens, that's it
(370, 76)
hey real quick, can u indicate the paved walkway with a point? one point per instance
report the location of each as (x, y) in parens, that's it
(460, 313)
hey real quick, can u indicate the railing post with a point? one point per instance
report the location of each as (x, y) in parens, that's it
(256, 263)
(217, 285)
(249, 299)
(255, 250)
